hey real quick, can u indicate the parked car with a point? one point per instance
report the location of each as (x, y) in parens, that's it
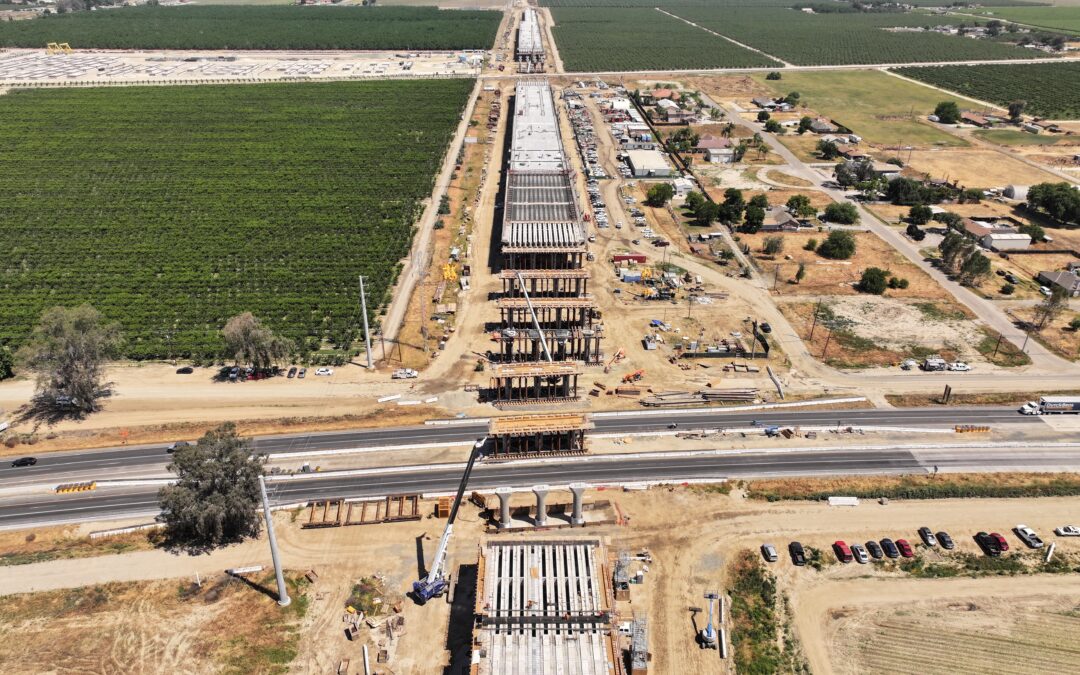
(768, 551)
(234, 373)
(300, 375)
(909, 364)
(927, 536)
(946, 541)
(24, 461)
(842, 551)
(1068, 531)
(959, 367)
(765, 327)
(635, 242)
(324, 371)
(1002, 543)
(185, 370)
(798, 555)
(404, 374)
(292, 373)
(874, 549)
(1028, 536)
(890, 548)
(173, 447)
(988, 544)
(859, 553)
(905, 548)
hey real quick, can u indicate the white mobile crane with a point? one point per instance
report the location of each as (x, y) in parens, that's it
(436, 583)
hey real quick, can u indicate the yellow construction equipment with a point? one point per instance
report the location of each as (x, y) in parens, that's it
(58, 48)
(449, 272)
(646, 273)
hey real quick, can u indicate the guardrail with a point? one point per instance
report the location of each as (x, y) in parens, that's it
(970, 428)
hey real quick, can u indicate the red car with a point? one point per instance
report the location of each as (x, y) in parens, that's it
(905, 548)
(842, 551)
(1002, 544)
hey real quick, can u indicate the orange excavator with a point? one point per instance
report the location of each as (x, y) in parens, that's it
(619, 356)
(633, 377)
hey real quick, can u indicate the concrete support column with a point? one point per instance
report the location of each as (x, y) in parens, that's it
(504, 494)
(577, 519)
(541, 505)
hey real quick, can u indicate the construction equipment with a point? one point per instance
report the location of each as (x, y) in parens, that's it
(619, 355)
(58, 48)
(449, 272)
(708, 636)
(436, 583)
(633, 377)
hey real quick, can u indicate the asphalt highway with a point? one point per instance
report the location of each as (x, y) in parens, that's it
(102, 464)
(140, 501)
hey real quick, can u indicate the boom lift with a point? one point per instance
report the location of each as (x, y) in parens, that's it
(436, 583)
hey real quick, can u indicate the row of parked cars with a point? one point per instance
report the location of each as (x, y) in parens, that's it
(991, 543)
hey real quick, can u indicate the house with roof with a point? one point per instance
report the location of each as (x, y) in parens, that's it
(976, 120)
(779, 219)
(822, 125)
(717, 149)
(1067, 281)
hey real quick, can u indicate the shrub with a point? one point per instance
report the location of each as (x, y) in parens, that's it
(873, 281)
(839, 245)
(1008, 289)
(810, 245)
(773, 245)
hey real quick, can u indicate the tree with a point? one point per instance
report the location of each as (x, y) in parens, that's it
(693, 199)
(1034, 231)
(828, 149)
(1061, 201)
(67, 352)
(897, 282)
(760, 201)
(659, 194)
(1008, 289)
(839, 245)
(734, 198)
(920, 214)
(947, 112)
(792, 98)
(800, 273)
(706, 213)
(974, 268)
(844, 213)
(755, 218)
(800, 206)
(804, 123)
(915, 232)
(773, 127)
(1075, 324)
(214, 501)
(7, 363)
(1048, 310)
(954, 248)
(773, 245)
(1016, 110)
(773, 76)
(248, 341)
(763, 116)
(874, 280)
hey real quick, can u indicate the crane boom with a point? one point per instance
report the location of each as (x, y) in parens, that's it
(435, 583)
(532, 313)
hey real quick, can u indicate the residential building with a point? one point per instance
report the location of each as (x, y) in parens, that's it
(1005, 241)
(1069, 281)
(823, 126)
(778, 219)
(976, 120)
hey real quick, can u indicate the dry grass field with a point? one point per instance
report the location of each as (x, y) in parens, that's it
(976, 168)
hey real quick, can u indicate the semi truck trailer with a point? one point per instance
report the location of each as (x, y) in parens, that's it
(1048, 405)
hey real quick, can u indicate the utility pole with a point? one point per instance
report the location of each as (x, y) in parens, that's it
(826, 350)
(283, 592)
(367, 333)
(997, 345)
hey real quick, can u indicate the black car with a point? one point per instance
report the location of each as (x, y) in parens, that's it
(185, 370)
(24, 461)
(946, 541)
(927, 535)
(173, 447)
(874, 550)
(765, 327)
(292, 372)
(988, 544)
(798, 555)
(890, 548)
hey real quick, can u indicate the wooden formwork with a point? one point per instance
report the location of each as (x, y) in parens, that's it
(338, 512)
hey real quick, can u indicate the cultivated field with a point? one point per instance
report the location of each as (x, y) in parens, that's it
(884, 110)
(172, 209)
(605, 39)
(263, 27)
(845, 38)
(1056, 18)
(1051, 90)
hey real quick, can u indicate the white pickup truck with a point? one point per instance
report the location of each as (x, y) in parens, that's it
(404, 374)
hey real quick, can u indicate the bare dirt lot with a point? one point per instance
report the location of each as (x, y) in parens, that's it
(837, 277)
(976, 168)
